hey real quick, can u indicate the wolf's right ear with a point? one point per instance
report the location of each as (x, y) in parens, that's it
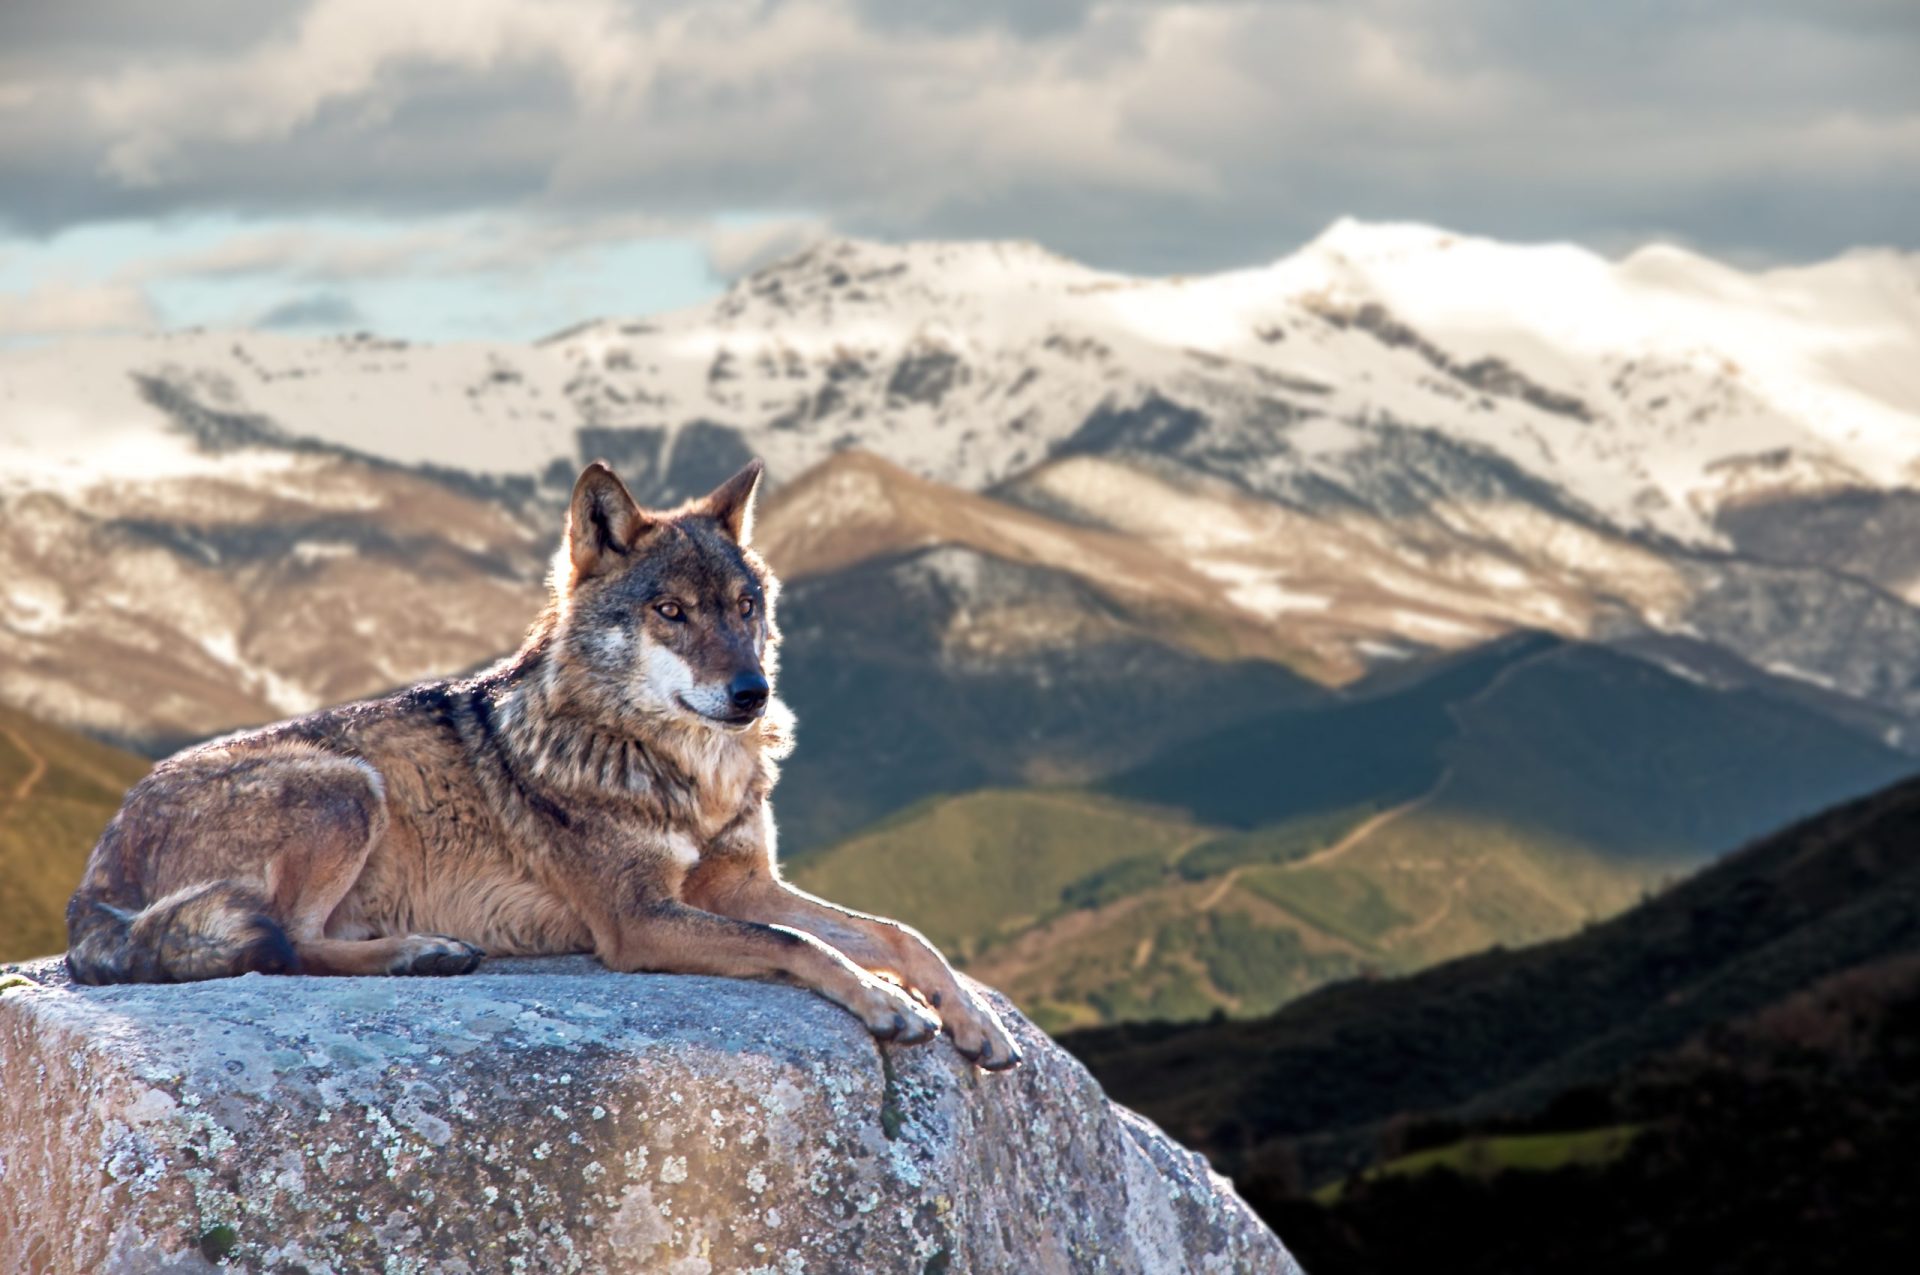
(603, 521)
(731, 503)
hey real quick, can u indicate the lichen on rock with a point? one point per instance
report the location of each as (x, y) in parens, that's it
(551, 1116)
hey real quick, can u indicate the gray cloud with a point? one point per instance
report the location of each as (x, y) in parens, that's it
(1136, 135)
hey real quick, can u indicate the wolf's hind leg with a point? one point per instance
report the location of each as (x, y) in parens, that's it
(313, 872)
(398, 954)
(223, 860)
(275, 838)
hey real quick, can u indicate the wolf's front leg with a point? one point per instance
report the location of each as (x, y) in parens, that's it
(672, 938)
(878, 944)
(625, 888)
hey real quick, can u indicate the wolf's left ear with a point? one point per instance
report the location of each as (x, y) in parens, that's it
(732, 501)
(603, 520)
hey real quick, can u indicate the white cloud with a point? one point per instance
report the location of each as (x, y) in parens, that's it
(54, 308)
(495, 244)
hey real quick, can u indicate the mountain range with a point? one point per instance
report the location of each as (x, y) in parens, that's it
(1216, 561)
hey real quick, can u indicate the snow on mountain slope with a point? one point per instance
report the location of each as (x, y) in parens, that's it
(1637, 389)
(855, 508)
(164, 609)
(1686, 365)
(86, 407)
(1645, 390)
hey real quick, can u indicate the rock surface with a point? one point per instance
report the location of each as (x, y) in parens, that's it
(551, 1116)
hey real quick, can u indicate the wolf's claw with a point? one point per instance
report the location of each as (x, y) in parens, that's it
(890, 1014)
(906, 1029)
(981, 1039)
(918, 1031)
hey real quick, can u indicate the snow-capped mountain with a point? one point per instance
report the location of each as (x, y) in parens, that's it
(1650, 391)
(1396, 440)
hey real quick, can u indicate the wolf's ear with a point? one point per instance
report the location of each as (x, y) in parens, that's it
(603, 521)
(732, 501)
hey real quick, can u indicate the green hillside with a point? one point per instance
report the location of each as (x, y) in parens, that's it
(1515, 796)
(1685, 1087)
(57, 791)
(976, 870)
(1090, 910)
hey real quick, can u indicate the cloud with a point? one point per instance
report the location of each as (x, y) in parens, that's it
(327, 310)
(322, 253)
(54, 308)
(733, 251)
(1138, 135)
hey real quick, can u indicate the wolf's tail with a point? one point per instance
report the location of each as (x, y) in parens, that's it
(213, 930)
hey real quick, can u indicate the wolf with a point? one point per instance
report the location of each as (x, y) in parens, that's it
(605, 789)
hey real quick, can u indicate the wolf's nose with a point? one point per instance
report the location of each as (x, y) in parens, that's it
(749, 692)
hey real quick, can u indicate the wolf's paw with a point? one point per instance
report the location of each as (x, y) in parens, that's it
(980, 1036)
(435, 954)
(891, 1014)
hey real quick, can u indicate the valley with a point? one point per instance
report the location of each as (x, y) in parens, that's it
(1504, 800)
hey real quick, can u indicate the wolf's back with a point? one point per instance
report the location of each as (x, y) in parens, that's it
(213, 930)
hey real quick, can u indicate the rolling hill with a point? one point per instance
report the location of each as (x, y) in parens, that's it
(1510, 1035)
(57, 791)
(946, 670)
(1778, 1141)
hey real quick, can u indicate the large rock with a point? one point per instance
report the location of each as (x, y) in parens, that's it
(548, 1115)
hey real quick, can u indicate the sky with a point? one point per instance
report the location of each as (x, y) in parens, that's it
(504, 168)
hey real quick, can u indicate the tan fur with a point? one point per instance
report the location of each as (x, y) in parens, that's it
(606, 789)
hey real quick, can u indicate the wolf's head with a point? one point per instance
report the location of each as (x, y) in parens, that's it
(665, 615)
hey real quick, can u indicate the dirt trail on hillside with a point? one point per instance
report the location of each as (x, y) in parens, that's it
(1219, 892)
(1376, 822)
(1367, 827)
(36, 768)
(1456, 889)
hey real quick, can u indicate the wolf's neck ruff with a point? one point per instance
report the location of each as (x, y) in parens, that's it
(553, 739)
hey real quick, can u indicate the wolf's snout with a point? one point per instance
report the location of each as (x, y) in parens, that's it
(749, 691)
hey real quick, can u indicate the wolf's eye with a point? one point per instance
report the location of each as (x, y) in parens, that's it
(746, 606)
(669, 610)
